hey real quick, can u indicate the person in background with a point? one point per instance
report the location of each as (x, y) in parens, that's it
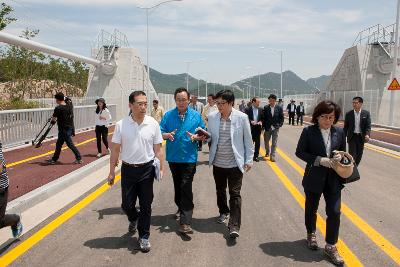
(291, 109)
(157, 112)
(315, 146)
(272, 121)
(6, 220)
(137, 138)
(64, 116)
(209, 108)
(280, 103)
(197, 106)
(357, 127)
(255, 114)
(103, 118)
(300, 113)
(230, 155)
(178, 127)
(242, 106)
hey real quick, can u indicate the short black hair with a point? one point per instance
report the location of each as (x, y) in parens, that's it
(135, 94)
(59, 96)
(155, 101)
(359, 99)
(326, 107)
(272, 96)
(226, 95)
(180, 90)
(212, 95)
(254, 99)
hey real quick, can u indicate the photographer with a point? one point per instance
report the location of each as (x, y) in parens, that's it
(63, 115)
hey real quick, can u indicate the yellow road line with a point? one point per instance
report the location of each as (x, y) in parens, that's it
(382, 152)
(48, 153)
(23, 247)
(392, 251)
(345, 252)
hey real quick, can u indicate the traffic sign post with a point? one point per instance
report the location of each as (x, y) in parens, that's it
(394, 85)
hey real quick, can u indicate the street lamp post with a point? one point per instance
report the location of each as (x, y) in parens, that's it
(187, 74)
(147, 31)
(396, 51)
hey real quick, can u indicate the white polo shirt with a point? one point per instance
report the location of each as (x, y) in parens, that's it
(137, 140)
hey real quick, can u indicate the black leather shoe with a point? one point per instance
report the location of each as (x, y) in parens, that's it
(256, 159)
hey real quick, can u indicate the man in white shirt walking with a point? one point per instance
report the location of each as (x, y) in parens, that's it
(138, 139)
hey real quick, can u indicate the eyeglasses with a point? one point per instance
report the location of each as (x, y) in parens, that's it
(355, 102)
(221, 103)
(181, 100)
(141, 104)
(327, 117)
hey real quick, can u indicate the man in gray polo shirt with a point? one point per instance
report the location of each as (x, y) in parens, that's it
(138, 139)
(231, 154)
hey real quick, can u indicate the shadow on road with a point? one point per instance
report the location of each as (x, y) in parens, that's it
(295, 250)
(109, 212)
(125, 241)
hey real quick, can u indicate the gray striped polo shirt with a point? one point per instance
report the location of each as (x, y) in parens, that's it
(224, 157)
(3, 174)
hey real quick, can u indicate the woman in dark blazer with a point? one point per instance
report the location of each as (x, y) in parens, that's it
(315, 146)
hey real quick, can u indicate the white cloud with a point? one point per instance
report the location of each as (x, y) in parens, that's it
(346, 16)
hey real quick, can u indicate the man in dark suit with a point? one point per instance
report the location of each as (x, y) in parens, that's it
(291, 109)
(300, 113)
(272, 120)
(357, 127)
(255, 114)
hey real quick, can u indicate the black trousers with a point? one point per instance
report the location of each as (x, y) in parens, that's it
(6, 219)
(356, 147)
(137, 182)
(101, 134)
(256, 136)
(291, 118)
(233, 178)
(333, 203)
(182, 174)
(299, 117)
(65, 136)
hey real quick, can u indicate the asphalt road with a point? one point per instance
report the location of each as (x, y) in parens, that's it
(272, 233)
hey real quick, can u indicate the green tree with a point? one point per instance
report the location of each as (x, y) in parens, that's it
(5, 19)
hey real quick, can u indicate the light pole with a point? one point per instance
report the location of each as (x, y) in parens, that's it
(188, 62)
(280, 52)
(147, 31)
(394, 75)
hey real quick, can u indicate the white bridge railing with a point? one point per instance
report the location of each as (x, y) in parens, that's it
(19, 127)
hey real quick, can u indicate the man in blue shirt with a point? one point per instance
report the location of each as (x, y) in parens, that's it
(178, 127)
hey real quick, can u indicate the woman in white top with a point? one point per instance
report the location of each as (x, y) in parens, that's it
(103, 117)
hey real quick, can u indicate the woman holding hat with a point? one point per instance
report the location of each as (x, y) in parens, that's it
(316, 145)
(103, 117)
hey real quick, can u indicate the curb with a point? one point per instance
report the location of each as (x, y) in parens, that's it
(42, 193)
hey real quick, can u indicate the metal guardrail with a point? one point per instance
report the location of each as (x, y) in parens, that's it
(19, 127)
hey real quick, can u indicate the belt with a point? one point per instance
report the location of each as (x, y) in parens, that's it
(357, 133)
(137, 165)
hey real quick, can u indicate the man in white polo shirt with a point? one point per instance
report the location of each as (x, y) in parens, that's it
(138, 139)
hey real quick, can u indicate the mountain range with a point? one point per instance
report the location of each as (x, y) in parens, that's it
(269, 83)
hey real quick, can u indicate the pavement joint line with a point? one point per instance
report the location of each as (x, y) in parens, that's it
(349, 257)
(48, 153)
(27, 244)
(385, 245)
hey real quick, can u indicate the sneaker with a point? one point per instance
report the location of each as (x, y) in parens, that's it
(78, 161)
(17, 229)
(233, 233)
(312, 241)
(144, 245)
(132, 227)
(99, 155)
(222, 218)
(333, 255)
(272, 159)
(177, 215)
(185, 229)
(266, 155)
(256, 159)
(51, 161)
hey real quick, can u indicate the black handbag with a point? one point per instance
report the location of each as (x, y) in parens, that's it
(354, 177)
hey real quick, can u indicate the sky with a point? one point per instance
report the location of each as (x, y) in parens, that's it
(222, 38)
